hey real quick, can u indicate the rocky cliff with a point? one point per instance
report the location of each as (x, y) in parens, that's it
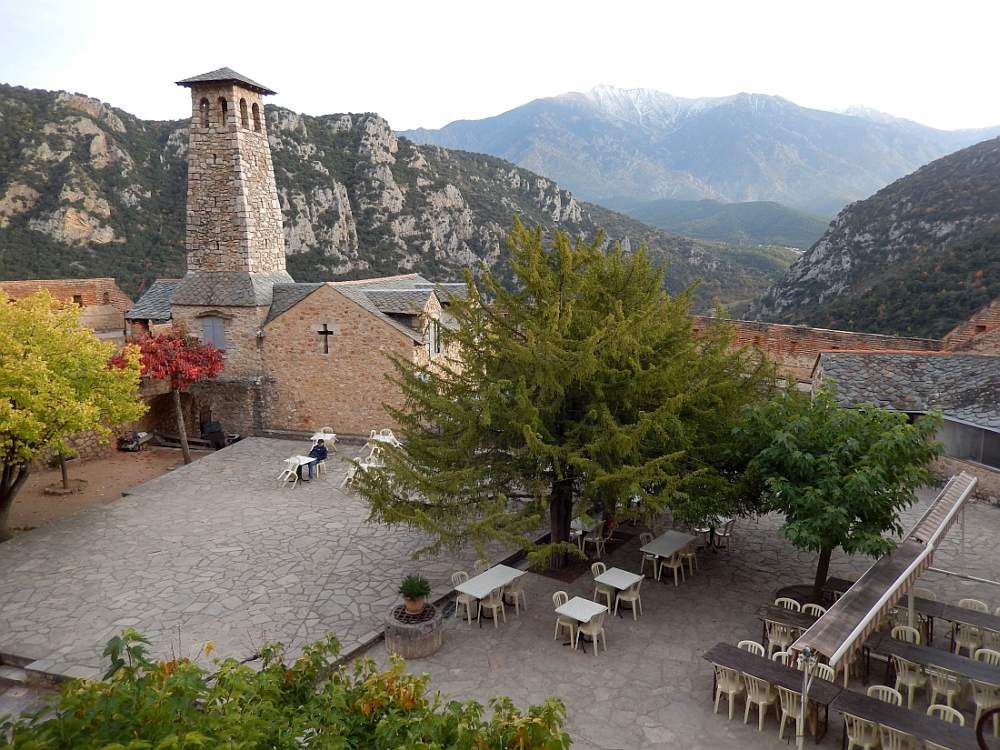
(87, 189)
(916, 258)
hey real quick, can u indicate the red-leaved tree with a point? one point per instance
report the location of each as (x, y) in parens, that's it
(181, 359)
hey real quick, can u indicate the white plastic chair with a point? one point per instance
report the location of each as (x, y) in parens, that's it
(596, 539)
(595, 629)
(752, 646)
(760, 693)
(986, 696)
(690, 554)
(946, 714)
(516, 590)
(481, 566)
(860, 732)
(728, 682)
(893, 739)
(290, 473)
(466, 600)
(788, 603)
(631, 595)
(909, 677)
(494, 603)
(886, 694)
(813, 610)
(644, 539)
(782, 657)
(600, 589)
(779, 637)
(942, 682)
(725, 538)
(825, 672)
(988, 655)
(675, 563)
(907, 634)
(560, 598)
(790, 705)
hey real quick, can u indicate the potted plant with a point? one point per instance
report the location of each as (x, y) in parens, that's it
(414, 590)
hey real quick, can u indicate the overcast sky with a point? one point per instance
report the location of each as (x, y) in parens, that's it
(427, 63)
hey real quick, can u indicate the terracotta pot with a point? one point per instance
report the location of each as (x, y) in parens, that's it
(414, 606)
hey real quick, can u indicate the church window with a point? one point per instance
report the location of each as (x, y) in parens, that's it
(244, 119)
(325, 333)
(203, 110)
(433, 339)
(256, 117)
(78, 300)
(105, 299)
(213, 331)
(223, 110)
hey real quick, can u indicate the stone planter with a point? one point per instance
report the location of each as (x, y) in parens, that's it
(413, 636)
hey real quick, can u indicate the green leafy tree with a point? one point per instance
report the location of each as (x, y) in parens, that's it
(54, 381)
(584, 387)
(840, 476)
(284, 704)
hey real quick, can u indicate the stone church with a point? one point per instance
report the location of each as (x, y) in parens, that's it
(298, 356)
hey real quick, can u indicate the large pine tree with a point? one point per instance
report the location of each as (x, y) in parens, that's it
(579, 389)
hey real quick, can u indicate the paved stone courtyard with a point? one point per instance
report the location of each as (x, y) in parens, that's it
(652, 687)
(217, 550)
(211, 551)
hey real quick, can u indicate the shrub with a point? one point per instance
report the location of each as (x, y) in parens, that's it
(307, 703)
(414, 587)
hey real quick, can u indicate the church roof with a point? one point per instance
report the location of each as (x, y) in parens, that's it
(154, 304)
(226, 75)
(285, 296)
(228, 288)
(399, 301)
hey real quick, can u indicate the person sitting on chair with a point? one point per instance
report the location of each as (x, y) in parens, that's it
(318, 452)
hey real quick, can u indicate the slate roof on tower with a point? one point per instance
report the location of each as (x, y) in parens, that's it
(228, 288)
(226, 75)
(963, 387)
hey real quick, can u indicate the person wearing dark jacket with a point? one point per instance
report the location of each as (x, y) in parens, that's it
(319, 452)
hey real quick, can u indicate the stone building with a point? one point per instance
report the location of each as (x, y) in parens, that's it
(103, 304)
(298, 356)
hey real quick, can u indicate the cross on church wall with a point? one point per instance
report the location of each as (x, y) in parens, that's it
(326, 333)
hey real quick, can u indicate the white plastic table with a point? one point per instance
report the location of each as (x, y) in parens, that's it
(324, 436)
(618, 579)
(668, 544)
(582, 610)
(303, 460)
(482, 585)
(577, 524)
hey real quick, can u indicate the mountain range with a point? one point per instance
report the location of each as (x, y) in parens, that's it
(610, 143)
(87, 189)
(914, 259)
(750, 223)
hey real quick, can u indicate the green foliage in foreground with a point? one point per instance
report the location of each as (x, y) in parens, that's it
(580, 391)
(840, 476)
(144, 705)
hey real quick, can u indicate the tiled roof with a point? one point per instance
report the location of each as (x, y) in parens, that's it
(154, 304)
(963, 387)
(226, 75)
(284, 296)
(228, 288)
(399, 301)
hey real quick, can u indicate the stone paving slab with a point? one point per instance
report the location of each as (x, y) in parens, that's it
(212, 551)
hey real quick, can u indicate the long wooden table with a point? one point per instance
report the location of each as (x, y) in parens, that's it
(788, 617)
(915, 723)
(822, 693)
(963, 666)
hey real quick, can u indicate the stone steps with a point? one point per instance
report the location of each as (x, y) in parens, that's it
(11, 676)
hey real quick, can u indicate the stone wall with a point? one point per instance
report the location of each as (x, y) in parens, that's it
(988, 487)
(343, 389)
(233, 214)
(795, 348)
(103, 303)
(980, 334)
(243, 351)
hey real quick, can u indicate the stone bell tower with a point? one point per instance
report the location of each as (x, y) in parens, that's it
(233, 214)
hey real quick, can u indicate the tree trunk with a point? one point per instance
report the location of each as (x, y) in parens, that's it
(560, 517)
(11, 481)
(181, 429)
(822, 570)
(62, 470)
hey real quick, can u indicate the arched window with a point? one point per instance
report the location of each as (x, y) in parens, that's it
(256, 117)
(223, 110)
(106, 298)
(203, 109)
(213, 331)
(244, 119)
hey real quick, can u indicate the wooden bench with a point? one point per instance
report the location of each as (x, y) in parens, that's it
(822, 693)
